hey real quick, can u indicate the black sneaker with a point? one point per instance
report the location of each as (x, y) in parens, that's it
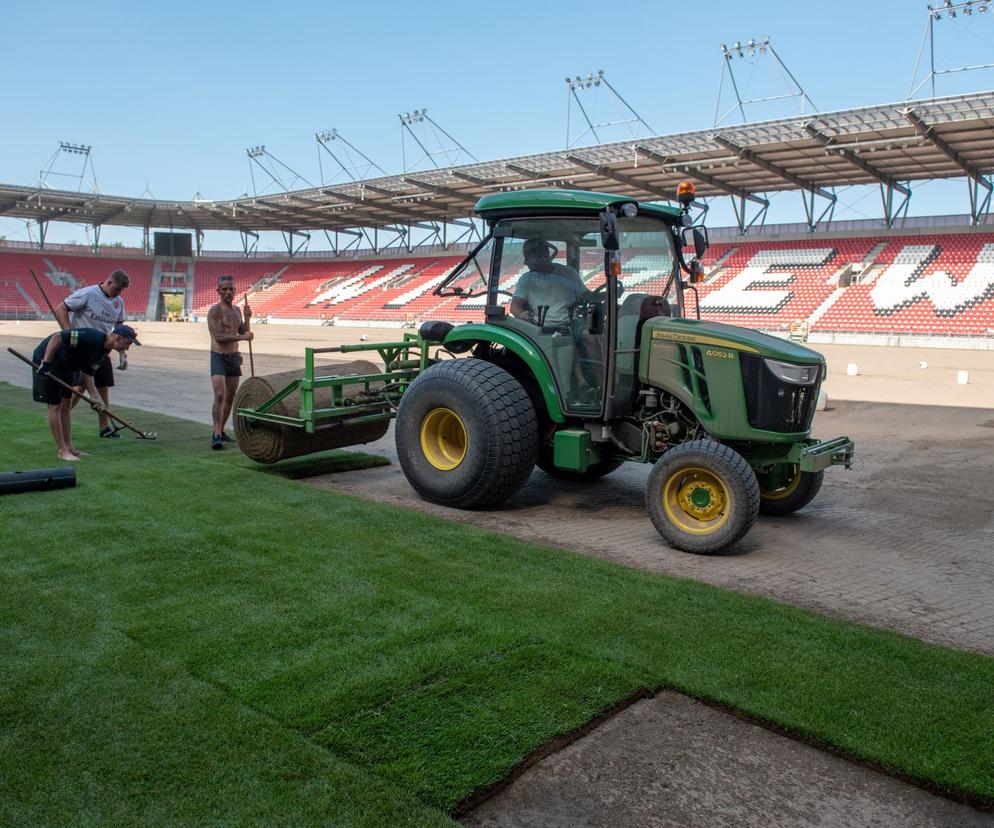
(225, 438)
(109, 433)
(216, 442)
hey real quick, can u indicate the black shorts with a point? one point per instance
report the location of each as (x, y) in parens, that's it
(43, 390)
(103, 377)
(226, 365)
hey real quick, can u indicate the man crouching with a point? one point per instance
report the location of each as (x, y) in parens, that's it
(63, 355)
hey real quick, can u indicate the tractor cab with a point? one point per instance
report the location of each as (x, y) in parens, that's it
(576, 275)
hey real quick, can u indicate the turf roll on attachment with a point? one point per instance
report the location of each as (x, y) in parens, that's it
(37, 480)
(267, 442)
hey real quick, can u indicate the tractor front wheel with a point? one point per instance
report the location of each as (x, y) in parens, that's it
(467, 434)
(702, 496)
(787, 489)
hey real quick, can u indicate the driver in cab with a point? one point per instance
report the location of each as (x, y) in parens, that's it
(547, 291)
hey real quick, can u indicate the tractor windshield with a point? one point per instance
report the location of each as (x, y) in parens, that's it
(550, 280)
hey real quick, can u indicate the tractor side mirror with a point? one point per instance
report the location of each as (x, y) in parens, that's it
(701, 243)
(609, 230)
(699, 238)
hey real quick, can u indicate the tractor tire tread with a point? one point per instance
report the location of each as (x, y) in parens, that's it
(748, 509)
(509, 419)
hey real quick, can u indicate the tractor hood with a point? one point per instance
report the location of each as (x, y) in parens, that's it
(716, 334)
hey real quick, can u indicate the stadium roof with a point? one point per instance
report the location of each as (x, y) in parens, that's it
(888, 144)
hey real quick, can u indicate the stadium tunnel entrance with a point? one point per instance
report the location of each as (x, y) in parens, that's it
(170, 304)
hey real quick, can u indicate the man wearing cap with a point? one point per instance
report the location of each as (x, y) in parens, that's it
(546, 295)
(547, 290)
(63, 355)
(227, 329)
(98, 306)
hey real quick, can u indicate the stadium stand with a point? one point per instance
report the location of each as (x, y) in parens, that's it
(60, 275)
(939, 284)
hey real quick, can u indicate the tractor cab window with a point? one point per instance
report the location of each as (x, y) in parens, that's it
(550, 280)
(648, 258)
(469, 280)
(647, 255)
(549, 277)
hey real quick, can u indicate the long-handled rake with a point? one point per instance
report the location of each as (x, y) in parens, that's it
(119, 422)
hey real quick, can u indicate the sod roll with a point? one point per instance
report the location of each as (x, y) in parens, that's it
(37, 480)
(269, 442)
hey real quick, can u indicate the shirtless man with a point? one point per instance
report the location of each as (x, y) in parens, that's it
(224, 321)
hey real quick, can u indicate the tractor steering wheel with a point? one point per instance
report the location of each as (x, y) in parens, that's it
(596, 295)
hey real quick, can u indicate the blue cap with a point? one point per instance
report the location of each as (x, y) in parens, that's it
(127, 332)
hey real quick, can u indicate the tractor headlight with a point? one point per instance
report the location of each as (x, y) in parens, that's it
(793, 374)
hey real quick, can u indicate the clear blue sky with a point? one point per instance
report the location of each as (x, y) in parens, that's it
(170, 95)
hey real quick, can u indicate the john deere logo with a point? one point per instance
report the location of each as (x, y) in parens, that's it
(697, 339)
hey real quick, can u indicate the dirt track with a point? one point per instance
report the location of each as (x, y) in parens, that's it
(905, 541)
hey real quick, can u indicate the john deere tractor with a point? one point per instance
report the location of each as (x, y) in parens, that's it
(587, 359)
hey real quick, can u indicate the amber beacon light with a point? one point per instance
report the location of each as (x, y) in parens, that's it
(685, 192)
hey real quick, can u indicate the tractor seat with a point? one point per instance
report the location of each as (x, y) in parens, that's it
(641, 307)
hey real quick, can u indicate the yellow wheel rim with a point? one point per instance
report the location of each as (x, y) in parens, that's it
(696, 500)
(443, 438)
(783, 491)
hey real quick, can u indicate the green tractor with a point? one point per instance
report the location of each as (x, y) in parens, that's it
(586, 359)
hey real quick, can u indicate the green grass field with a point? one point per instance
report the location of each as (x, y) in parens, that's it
(186, 639)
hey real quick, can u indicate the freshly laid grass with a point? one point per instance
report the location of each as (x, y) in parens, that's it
(184, 638)
(326, 462)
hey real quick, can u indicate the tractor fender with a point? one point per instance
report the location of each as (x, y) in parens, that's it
(464, 336)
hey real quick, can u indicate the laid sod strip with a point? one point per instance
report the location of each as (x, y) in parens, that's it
(96, 728)
(427, 655)
(326, 462)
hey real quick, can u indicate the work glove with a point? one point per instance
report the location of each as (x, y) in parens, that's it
(122, 361)
(45, 369)
(97, 405)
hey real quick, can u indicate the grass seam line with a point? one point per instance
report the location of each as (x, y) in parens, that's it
(269, 717)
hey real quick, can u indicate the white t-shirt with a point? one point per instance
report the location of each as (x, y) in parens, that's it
(555, 291)
(92, 308)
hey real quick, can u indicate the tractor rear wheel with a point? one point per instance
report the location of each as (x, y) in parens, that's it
(597, 470)
(467, 434)
(702, 496)
(788, 491)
